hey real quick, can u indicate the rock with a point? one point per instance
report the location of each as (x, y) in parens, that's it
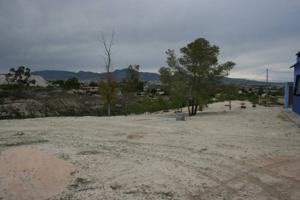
(115, 186)
(19, 133)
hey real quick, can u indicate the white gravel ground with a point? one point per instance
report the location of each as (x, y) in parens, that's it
(252, 153)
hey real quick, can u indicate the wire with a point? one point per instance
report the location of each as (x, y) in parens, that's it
(286, 72)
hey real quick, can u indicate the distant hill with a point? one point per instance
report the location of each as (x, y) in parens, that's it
(240, 81)
(55, 74)
(120, 74)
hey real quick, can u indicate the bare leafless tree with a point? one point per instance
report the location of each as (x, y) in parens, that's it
(107, 50)
(107, 87)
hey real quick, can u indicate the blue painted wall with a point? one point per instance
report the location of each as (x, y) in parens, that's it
(296, 99)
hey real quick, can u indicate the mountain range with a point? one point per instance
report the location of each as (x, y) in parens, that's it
(120, 74)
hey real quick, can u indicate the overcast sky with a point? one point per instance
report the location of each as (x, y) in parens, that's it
(64, 34)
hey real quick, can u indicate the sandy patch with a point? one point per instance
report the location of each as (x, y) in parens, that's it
(26, 173)
(289, 169)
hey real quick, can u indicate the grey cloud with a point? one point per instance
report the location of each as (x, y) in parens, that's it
(64, 34)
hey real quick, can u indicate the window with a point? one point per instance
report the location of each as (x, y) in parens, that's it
(297, 86)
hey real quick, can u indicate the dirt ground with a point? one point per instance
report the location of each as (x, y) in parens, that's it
(26, 173)
(251, 153)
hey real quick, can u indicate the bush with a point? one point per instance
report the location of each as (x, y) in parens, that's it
(72, 83)
(149, 105)
(13, 91)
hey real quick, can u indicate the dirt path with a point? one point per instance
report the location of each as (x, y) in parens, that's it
(242, 154)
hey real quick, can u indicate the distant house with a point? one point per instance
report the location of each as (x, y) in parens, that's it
(296, 86)
(91, 89)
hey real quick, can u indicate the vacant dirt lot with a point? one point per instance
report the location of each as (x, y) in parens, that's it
(241, 154)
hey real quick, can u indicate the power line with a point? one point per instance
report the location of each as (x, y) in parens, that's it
(276, 71)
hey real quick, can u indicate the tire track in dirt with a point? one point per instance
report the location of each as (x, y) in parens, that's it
(132, 150)
(269, 189)
(199, 171)
(140, 150)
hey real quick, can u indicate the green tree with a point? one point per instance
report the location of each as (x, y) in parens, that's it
(93, 84)
(20, 76)
(166, 78)
(130, 85)
(107, 91)
(72, 83)
(197, 73)
(173, 79)
(230, 92)
(59, 83)
(132, 79)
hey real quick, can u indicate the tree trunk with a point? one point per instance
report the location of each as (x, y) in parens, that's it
(108, 109)
(192, 107)
(200, 108)
(196, 108)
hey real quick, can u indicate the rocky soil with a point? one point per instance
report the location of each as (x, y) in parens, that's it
(45, 103)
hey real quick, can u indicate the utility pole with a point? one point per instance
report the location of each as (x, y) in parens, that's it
(267, 81)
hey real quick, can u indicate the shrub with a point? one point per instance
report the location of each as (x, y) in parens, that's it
(72, 83)
(150, 105)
